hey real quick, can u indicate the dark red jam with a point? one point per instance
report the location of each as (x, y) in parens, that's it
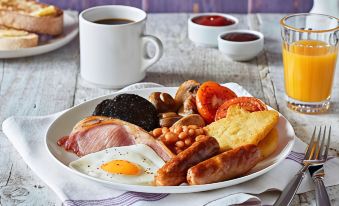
(240, 37)
(213, 20)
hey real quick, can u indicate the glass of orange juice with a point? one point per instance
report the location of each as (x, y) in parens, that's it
(310, 49)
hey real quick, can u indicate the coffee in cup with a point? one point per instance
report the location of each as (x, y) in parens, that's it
(112, 46)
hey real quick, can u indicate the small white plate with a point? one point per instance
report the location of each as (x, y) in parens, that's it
(63, 125)
(48, 44)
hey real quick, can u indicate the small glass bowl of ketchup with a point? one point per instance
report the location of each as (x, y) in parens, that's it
(205, 28)
(241, 45)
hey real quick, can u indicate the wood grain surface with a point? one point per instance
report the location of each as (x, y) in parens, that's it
(50, 83)
(229, 6)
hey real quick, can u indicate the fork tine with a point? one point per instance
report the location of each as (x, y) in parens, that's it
(316, 152)
(328, 143)
(316, 149)
(320, 155)
(310, 146)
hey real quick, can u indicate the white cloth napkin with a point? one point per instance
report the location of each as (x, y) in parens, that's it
(27, 136)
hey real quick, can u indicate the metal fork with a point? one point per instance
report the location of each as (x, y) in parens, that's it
(311, 158)
(316, 169)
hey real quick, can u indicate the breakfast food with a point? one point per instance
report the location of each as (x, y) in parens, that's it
(224, 166)
(192, 119)
(185, 97)
(130, 108)
(209, 97)
(11, 39)
(31, 16)
(226, 138)
(134, 164)
(163, 102)
(213, 20)
(185, 90)
(168, 119)
(250, 104)
(173, 109)
(97, 133)
(175, 170)
(240, 37)
(269, 144)
(246, 128)
(179, 138)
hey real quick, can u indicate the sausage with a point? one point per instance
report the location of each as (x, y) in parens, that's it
(225, 166)
(174, 172)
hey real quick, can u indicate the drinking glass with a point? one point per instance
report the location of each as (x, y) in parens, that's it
(310, 49)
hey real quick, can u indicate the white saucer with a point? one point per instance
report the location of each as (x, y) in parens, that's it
(47, 45)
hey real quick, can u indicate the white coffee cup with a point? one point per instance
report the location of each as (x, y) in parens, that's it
(113, 56)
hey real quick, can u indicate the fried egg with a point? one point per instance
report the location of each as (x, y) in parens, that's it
(134, 164)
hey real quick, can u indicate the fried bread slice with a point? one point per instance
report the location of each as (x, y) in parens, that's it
(269, 144)
(241, 128)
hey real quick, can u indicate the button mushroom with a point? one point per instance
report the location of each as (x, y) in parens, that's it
(185, 90)
(163, 102)
(193, 119)
(168, 119)
(189, 106)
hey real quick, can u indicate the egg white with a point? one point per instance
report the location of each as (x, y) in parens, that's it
(139, 154)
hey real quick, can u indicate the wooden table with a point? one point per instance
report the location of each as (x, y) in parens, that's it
(50, 83)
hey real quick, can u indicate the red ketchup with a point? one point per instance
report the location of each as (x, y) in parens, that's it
(213, 20)
(240, 37)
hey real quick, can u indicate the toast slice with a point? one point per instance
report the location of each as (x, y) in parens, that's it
(11, 39)
(31, 16)
(243, 128)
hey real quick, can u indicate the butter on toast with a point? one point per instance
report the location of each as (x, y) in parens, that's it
(31, 16)
(11, 39)
(243, 128)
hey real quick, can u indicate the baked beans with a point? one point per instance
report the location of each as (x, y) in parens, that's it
(179, 138)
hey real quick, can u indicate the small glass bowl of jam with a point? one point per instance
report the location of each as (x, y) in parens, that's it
(205, 28)
(241, 45)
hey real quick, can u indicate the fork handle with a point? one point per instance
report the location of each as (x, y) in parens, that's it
(288, 193)
(321, 195)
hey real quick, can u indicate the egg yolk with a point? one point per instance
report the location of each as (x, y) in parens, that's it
(121, 167)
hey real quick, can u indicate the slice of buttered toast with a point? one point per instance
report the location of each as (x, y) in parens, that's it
(243, 128)
(32, 16)
(11, 39)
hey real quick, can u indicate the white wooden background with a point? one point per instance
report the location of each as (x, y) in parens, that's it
(50, 83)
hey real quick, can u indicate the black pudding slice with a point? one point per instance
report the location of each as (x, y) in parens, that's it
(130, 108)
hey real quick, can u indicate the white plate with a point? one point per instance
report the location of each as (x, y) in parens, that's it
(63, 125)
(48, 44)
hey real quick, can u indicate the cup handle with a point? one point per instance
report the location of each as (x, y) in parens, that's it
(146, 61)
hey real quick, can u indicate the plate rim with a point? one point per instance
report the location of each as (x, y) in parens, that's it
(171, 189)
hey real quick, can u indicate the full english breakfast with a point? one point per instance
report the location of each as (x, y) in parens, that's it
(203, 134)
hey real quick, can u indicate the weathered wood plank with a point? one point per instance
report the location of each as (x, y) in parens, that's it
(263, 68)
(303, 124)
(33, 86)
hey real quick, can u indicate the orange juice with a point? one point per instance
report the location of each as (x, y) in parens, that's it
(309, 67)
